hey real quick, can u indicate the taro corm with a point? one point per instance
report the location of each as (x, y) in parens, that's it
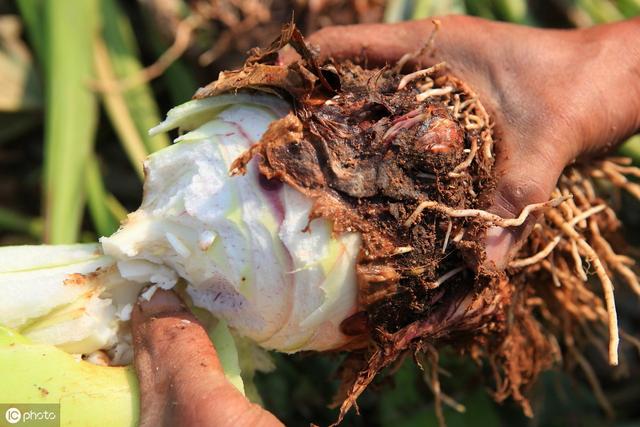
(326, 207)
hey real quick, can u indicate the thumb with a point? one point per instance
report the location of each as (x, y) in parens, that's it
(524, 177)
(181, 379)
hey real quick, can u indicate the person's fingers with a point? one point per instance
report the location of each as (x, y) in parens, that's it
(164, 335)
(371, 44)
(181, 380)
(376, 45)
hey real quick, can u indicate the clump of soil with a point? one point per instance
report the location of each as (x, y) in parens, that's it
(407, 161)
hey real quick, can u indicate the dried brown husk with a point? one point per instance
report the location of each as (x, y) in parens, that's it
(368, 147)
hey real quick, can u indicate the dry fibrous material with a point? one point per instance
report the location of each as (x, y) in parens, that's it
(567, 250)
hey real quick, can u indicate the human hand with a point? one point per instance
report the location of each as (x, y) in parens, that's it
(181, 380)
(555, 95)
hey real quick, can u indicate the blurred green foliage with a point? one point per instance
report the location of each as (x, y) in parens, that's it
(74, 136)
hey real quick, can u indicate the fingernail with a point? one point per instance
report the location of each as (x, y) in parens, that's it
(498, 243)
(161, 302)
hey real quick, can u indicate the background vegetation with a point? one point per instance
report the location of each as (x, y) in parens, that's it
(81, 81)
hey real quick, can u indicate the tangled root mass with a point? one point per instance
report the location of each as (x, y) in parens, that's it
(407, 161)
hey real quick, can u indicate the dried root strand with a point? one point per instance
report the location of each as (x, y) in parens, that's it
(184, 34)
(472, 110)
(523, 262)
(446, 237)
(565, 246)
(625, 170)
(467, 162)
(538, 257)
(440, 91)
(376, 362)
(573, 235)
(450, 401)
(578, 261)
(586, 214)
(488, 217)
(607, 286)
(434, 385)
(614, 260)
(431, 378)
(611, 172)
(446, 276)
(423, 50)
(421, 73)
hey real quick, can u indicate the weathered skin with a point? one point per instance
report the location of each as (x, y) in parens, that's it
(190, 390)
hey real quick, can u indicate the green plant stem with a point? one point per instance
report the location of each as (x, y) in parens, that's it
(124, 56)
(71, 113)
(116, 108)
(31, 12)
(100, 202)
